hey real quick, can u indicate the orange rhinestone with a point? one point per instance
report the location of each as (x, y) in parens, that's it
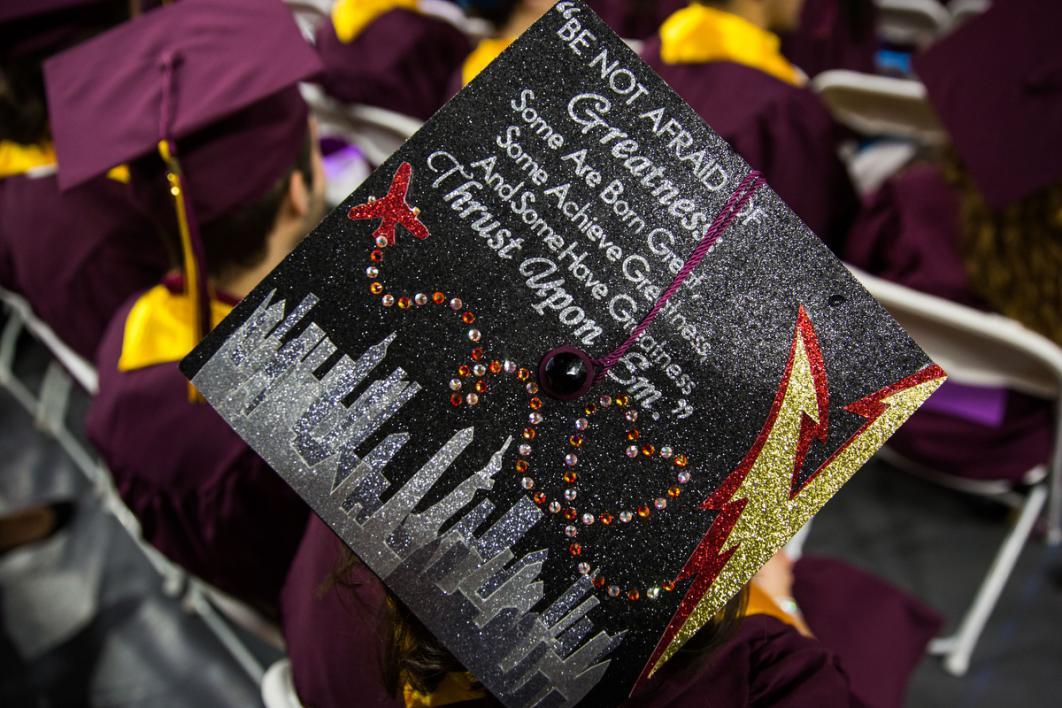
(575, 440)
(605, 518)
(535, 403)
(523, 374)
(495, 367)
(478, 353)
(481, 386)
(455, 400)
(575, 549)
(590, 408)
(438, 297)
(681, 461)
(569, 476)
(621, 400)
(633, 434)
(599, 582)
(521, 466)
(539, 498)
(376, 256)
(530, 433)
(633, 595)
(464, 371)
(674, 490)
(648, 450)
(468, 318)
(570, 513)
(404, 303)
(375, 288)
(668, 585)
(643, 510)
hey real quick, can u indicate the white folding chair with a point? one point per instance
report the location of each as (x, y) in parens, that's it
(880, 105)
(896, 110)
(278, 687)
(912, 23)
(49, 408)
(986, 349)
(376, 131)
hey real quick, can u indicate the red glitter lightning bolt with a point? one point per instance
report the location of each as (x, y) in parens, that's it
(761, 503)
(392, 209)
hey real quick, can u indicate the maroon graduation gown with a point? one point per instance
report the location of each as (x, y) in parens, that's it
(766, 664)
(783, 131)
(879, 632)
(834, 34)
(75, 256)
(402, 61)
(909, 233)
(334, 637)
(202, 496)
(334, 631)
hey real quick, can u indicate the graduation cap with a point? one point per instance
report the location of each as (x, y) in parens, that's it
(564, 373)
(209, 86)
(996, 84)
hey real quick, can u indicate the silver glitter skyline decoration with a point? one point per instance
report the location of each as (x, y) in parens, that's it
(469, 589)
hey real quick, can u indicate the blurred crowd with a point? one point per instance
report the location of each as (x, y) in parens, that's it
(260, 115)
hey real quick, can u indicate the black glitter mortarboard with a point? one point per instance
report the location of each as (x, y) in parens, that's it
(563, 547)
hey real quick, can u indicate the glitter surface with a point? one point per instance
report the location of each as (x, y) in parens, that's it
(545, 232)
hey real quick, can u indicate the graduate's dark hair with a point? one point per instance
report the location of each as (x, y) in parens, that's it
(23, 105)
(413, 655)
(1013, 256)
(410, 654)
(497, 12)
(237, 239)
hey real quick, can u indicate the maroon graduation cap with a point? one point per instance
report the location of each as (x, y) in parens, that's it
(213, 82)
(997, 87)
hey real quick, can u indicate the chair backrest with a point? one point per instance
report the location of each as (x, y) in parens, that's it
(376, 131)
(962, 10)
(973, 347)
(879, 105)
(309, 14)
(82, 371)
(278, 688)
(912, 23)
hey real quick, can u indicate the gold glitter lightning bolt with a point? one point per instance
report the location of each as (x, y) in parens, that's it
(760, 504)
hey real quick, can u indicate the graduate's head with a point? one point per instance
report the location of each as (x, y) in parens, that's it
(30, 32)
(252, 211)
(996, 84)
(201, 99)
(510, 17)
(775, 15)
(413, 657)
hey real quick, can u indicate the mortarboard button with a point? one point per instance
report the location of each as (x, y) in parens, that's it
(565, 373)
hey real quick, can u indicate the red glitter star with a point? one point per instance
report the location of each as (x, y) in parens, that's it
(392, 209)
